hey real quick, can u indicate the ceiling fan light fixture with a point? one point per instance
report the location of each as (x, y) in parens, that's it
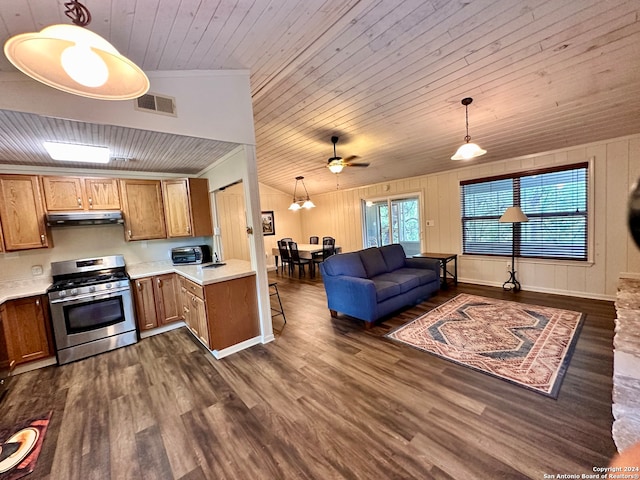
(335, 166)
(467, 150)
(76, 60)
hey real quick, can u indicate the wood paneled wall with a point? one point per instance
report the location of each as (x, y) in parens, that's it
(615, 167)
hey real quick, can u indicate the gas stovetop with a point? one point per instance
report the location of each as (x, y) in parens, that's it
(72, 278)
(84, 281)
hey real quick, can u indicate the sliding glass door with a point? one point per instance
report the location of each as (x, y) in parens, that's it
(393, 220)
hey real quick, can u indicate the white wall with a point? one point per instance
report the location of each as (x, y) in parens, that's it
(615, 168)
(240, 165)
(209, 104)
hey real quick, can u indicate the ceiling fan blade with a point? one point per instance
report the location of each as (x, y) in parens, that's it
(357, 164)
(351, 157)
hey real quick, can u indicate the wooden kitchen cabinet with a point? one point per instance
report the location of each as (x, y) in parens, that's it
(187, 207)
(143, 210)
(221, 314)
(232, 311)
(194, 309)
(22, 213)
(145, 304)
(157, 301)
(80, 193)
(27, 328)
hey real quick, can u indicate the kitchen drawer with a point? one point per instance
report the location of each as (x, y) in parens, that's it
(192, 287)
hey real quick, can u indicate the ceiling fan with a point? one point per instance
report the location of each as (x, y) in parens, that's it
(336, 163)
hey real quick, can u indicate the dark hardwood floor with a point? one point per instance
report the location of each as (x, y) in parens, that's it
(326, 400)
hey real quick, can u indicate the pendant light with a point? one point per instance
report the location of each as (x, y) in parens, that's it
(76, 60)
(468, 150)
(302, 202)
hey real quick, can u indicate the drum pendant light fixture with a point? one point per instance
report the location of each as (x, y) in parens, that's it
(468, 150)
(76, 60)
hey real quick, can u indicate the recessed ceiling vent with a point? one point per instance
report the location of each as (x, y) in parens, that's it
(150, 102)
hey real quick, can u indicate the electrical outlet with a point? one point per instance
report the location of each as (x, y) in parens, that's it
(508, 267)
(36, 270)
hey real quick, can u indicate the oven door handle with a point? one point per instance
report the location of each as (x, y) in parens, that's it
(95, 296)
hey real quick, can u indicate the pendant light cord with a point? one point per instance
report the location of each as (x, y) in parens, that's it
(467, 138)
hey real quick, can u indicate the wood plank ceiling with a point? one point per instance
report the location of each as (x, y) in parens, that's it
(387, 76)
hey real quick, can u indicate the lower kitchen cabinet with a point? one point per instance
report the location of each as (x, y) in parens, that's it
(222, 314)
(27, 329)
(194, 310)
(157, 301)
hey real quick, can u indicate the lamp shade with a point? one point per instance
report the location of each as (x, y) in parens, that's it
(467, 151)
(513, 215)
(78, 61)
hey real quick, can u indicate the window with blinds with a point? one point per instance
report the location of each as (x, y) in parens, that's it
(554, 200)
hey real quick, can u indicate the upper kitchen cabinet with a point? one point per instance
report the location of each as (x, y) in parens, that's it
(187, 207)
(22, 213)
(80, 193)
(143, 209)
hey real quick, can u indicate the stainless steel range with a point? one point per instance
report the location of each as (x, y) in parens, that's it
(91, 307)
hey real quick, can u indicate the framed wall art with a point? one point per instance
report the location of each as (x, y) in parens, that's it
(268, 223)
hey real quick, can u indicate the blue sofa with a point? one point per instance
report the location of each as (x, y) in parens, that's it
(371, 283)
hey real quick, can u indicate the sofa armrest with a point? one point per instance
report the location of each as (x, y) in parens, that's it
(428, 263)
(351, 295)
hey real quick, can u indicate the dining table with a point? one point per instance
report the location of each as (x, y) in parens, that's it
(305, 250)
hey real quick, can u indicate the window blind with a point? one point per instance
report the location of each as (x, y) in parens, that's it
(554, 200)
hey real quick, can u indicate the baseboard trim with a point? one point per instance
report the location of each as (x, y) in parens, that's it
(218, 354)
(27, 367)
(553, 291)
(162, 329)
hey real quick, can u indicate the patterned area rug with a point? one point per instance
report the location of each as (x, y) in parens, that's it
(20, 447)
(527, 345)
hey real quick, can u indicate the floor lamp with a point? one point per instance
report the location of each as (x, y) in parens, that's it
(513, 215)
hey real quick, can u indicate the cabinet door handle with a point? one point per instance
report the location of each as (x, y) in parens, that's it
(159, 282)
(129, 232)
(79, 202)
(37, 302)
(189, 229)
(139, 285)
(42, 239)
(90, 202)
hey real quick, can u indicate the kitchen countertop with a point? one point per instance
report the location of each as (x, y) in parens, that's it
(14, 289)
(202, 276)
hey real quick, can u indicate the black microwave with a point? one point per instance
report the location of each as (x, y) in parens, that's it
(192, 255)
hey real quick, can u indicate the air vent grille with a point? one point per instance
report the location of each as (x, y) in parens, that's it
(157, 104)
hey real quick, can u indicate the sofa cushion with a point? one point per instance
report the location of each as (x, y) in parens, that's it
(385, 289)
(393, 256)
(373, 262)
(405, 281)
(423, 275)
(348, 264)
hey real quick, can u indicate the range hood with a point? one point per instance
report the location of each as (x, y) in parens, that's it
(92, 217)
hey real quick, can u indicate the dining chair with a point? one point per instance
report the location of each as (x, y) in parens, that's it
(314, 240)
(285, 257)
(328, 249)
(296, 260)
(286, 240)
